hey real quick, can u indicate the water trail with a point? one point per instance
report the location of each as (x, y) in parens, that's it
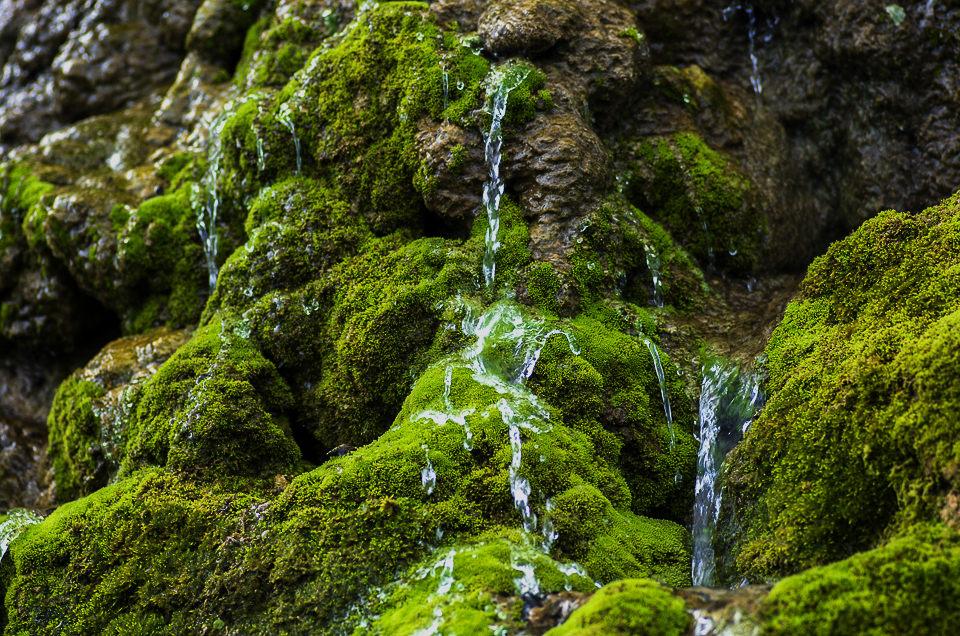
(428, 476)
(755, 80)
(519, 486)
(17, 521)
(206, 201)
(446, 86)
(498, 84)
(653, 264)
(706, 232)
(658, 367)
(286, 119)
(729, 400)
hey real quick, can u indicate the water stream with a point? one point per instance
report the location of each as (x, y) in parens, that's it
(729, 401)
(653, 264)
(661, 376)
(499, 83)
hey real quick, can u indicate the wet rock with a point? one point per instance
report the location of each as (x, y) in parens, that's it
(529, 27)
(87, 417)
(77, 59)
(723, 612)
(453, 157)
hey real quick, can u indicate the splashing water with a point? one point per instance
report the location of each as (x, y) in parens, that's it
(499, 83)
(658, 367)
(286, 119)
(653, 264)
(729, 400)
(17, 521)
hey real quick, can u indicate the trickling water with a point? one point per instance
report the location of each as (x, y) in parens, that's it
(706, 232)
(17, 521)
(285, 118)
(653, 264)
(499, 83)
(752, 36)
(658, 367)
(729, 400)
(446, 86)
(428, 476)
(519, 486)
(207, 204)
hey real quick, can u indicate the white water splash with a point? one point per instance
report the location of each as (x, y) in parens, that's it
(499, 83)
(17, 521)
(428, 476)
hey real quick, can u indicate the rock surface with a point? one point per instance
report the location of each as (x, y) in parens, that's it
(330, 317)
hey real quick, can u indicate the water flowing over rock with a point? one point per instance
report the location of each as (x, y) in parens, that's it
(479, 317)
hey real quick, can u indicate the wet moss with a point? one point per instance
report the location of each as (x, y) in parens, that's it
(857, 437)
(908, 586)
(215, 409)
(611, 391)
(74, 425)
(635, 607)
(686, 184)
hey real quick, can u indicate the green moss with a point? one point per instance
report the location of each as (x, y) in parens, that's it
(611, 392)
(361, 99)
(78, 460)
(458, 155)
(634, 607)
(857, 437)
(686, 184)
(251, 43)
(544, 287)
(214, 409)
(908, 586)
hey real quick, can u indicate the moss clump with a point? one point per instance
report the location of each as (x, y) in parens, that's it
(611, 392)
(215, 409)
(686, 184)
(908, 586)
(543, 288)
(858, 437)
(74, 424)
(631, 607)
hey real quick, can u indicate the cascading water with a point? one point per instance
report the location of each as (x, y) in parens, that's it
(661, 376)
(17, 521)
(501, 81)
(653, 264)
(729, 400)
(206, 201)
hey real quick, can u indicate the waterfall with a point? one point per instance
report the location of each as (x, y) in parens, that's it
(661, 376)
(499, 83)
(729, 399)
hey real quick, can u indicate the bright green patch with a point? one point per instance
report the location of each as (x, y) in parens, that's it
(628, 608)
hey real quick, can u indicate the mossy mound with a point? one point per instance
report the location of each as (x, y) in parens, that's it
(908, 586)
(634, 607)
(859, 435)
(700, 195)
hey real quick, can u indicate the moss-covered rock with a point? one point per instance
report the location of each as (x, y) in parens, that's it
(908, 586)
(701, 196)
(858, 436)
(636, 607)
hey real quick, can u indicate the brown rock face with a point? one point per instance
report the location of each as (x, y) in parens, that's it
(66, 61)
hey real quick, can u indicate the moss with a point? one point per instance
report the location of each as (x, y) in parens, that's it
(611, 391)
(908, 586)
(857, 437)
(215, 409)
(463, 587)
(361, 98)
(458, 155)
(686, 184)
(544, 287)
(634, 607)
(78, 461)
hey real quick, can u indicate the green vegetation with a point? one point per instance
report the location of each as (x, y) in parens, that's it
(686, 184)
(858, 437)
(628, 608)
